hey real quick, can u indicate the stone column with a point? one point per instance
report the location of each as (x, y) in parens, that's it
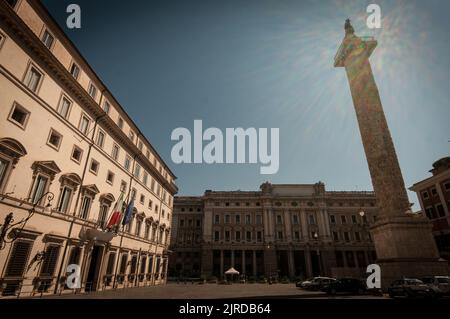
(309, 271)
(404, 244)
(291, 263)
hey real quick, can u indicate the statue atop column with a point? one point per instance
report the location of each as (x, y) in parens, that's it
(348, 27)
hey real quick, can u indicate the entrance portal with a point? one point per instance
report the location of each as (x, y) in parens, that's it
(94, 268)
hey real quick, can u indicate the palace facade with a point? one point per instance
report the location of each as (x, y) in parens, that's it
(283, 231)
(67, 151)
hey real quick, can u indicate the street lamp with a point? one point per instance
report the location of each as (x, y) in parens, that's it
(8, 223)
(316, 237)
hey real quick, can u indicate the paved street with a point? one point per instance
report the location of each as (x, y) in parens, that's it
(207, 291)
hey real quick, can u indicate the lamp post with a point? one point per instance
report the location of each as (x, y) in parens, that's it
(316, 237)
(8, 223)
(269, 266)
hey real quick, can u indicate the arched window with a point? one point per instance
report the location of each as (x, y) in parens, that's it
(10, 153)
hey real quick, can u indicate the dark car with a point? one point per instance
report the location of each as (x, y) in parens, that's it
(346, 285)
(410, 288)
(439, 284)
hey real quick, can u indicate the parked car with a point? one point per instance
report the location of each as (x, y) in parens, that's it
(346, 285)
(316, 283)
(410, 287)
(439, 284)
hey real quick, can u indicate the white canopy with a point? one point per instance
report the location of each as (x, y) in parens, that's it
(231, 271)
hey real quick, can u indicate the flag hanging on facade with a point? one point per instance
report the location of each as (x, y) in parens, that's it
(117, 213)
(128, 213)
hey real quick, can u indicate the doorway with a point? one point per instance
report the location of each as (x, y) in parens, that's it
(94, 268)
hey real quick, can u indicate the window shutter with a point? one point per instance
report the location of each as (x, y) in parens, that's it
(18, 259)
(50, 259)
(110, 267)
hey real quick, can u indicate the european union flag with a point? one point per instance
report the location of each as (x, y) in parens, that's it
(128, 213)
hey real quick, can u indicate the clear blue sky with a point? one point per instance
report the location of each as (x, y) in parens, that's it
(267, 63)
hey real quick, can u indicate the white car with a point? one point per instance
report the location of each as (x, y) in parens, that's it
(316, 283)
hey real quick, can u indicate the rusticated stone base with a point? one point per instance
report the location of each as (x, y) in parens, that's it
(405, 248)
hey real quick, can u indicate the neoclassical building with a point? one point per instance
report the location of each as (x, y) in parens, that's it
(284, 231)
(68, 150)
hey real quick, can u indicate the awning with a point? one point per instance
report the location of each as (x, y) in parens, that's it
(231, 271)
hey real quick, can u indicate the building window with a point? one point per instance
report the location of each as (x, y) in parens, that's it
(137, 230)
(259, 236)
(354, 219)
(123, 186)
(346, 236)
(227, 235)
(131, 136)
(18, 260)
(102, 215)
(39, 188)
(115, 152)
(258, 219)
(145, 178)
(295, 219)
(297, 235)
(100, 140)
(127, 162)
(93, 168)
(227, 219)
(4, 165)
(54, 139)
(335, 236)
(106, 107)
(248, 219)
(447, 186)
(238, 219)
(150, 204)
(440, 210)
(77, 154)
(433, 192)
(133, 193)
(84, 124)
(332, 219)
(92, 91)
(85, 207)
(64, 201)
(357, 236)
(110, 177)
(312, 220)
(425, 195)
(248, 235)
(280, 235)
(19, 115)
(47, 39)
(137, 171)
(51, 257)
(343, 219)
(33, 79)
(64, 107)
(74, 70)
(216, 219)
(142, 199)
(120, 123)
(140, 145)
(279, 219)
(238, 236)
